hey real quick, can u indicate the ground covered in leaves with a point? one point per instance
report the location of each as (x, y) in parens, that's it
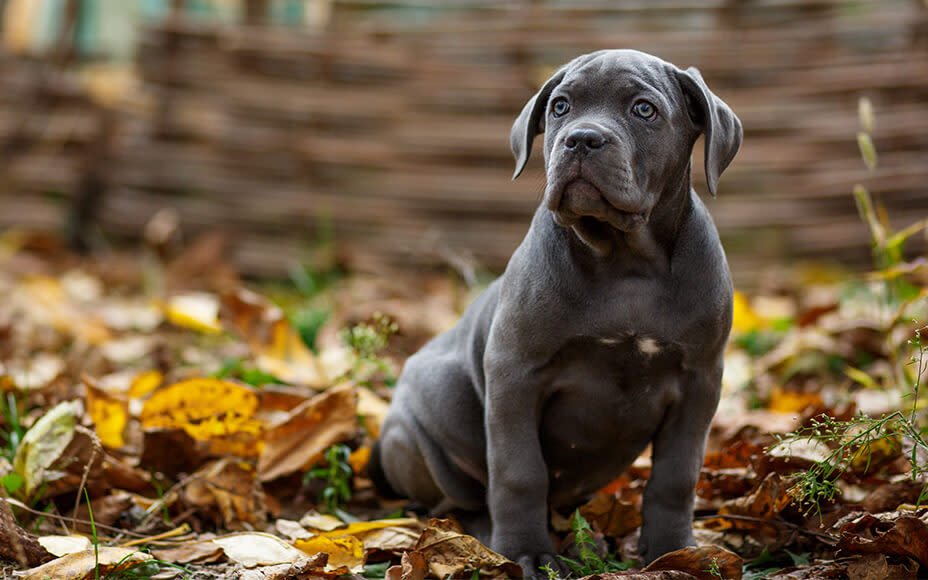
(161, 418)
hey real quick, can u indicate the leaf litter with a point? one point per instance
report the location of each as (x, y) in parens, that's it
(217, 430)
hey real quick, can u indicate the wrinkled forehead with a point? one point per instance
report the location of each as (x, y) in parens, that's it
(617, 69)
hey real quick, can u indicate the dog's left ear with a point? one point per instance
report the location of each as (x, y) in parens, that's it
(717, 121)
(530, 121)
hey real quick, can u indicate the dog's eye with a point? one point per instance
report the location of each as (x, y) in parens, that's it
(560, 107)
(645, 110)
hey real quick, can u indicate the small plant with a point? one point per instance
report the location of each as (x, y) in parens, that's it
(589, 561)
(247, 373)
(367, 341)
(856, 439)
(9, 409)
(714, 569)
(337, 474)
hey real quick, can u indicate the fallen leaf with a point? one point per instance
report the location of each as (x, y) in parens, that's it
(82, 565)
(109, 413)
(299, 440)
(61, 545)
(145, 383)
(412, 567)
(614, 518)
(43, 444)
(701, 562)
(196, 311)
(790, 401)
(16, 544)
(200, 551)
(221, 413)
(227, 491)
(252, 549)
(344, 553)
(276, 346)
(450, 552)
(903, 536)
(878, 567)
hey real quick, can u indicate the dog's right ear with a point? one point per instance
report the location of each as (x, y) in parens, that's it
(531, 122)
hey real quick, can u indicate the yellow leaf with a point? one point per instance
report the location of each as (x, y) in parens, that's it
(359, 458)
(109, 413)
(744, 318)
(145, 383)
(199, 311)
(347, 552)
(221, 412)
(783, 401)
(359, 529)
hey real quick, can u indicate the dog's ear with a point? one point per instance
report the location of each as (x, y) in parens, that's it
(717, 121)
(530, 121)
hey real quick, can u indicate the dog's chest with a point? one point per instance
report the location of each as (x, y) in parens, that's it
(606, 397)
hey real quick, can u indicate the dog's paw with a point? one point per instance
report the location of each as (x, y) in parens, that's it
(541, 567)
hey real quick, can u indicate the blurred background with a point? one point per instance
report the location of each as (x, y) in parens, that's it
(381, 128)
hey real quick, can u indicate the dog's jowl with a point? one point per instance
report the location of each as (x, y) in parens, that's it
(604, 334)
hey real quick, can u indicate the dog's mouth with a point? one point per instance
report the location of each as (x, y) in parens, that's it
(581, 199)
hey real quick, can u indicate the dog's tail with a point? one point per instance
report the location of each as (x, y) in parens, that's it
(377, 475)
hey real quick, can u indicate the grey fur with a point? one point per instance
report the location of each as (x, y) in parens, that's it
(604, 334)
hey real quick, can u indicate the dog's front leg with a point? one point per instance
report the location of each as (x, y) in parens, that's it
(677, 454)
(517, 493)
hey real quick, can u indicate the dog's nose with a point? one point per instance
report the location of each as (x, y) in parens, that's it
(584, 138)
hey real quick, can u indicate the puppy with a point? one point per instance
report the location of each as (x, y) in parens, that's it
(604, 334)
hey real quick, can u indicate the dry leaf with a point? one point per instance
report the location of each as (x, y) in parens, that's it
(43, 445)
(61, 545)
(252, 549)
(904, 536)
(16, 544)
(227, 490)
(878, 567)
(412, 567)
(197, 311)
(701, 562)
(109, 413)
(344, 553)
(450, 552)
(81, 565)
(278, 348)
(297, 442)
(612, 517)
(221, 413)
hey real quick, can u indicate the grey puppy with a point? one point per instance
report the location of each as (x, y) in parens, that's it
(604, 334)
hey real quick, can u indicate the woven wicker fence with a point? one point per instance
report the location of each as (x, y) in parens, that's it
(389, 123)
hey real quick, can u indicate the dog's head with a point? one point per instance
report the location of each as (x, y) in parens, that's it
(619, 130)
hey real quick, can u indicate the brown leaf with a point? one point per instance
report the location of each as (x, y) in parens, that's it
(450, 552)
(878, 567)
(227, 491)
(701, 562)
(200, 552)
(16, 544)
(412, 567)
(905, 536)
(652, 575)
(276, 346)
(890, 496)
(308, 430)
(768, 500)
(613, 517)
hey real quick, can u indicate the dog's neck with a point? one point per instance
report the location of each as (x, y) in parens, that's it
(651, 243)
